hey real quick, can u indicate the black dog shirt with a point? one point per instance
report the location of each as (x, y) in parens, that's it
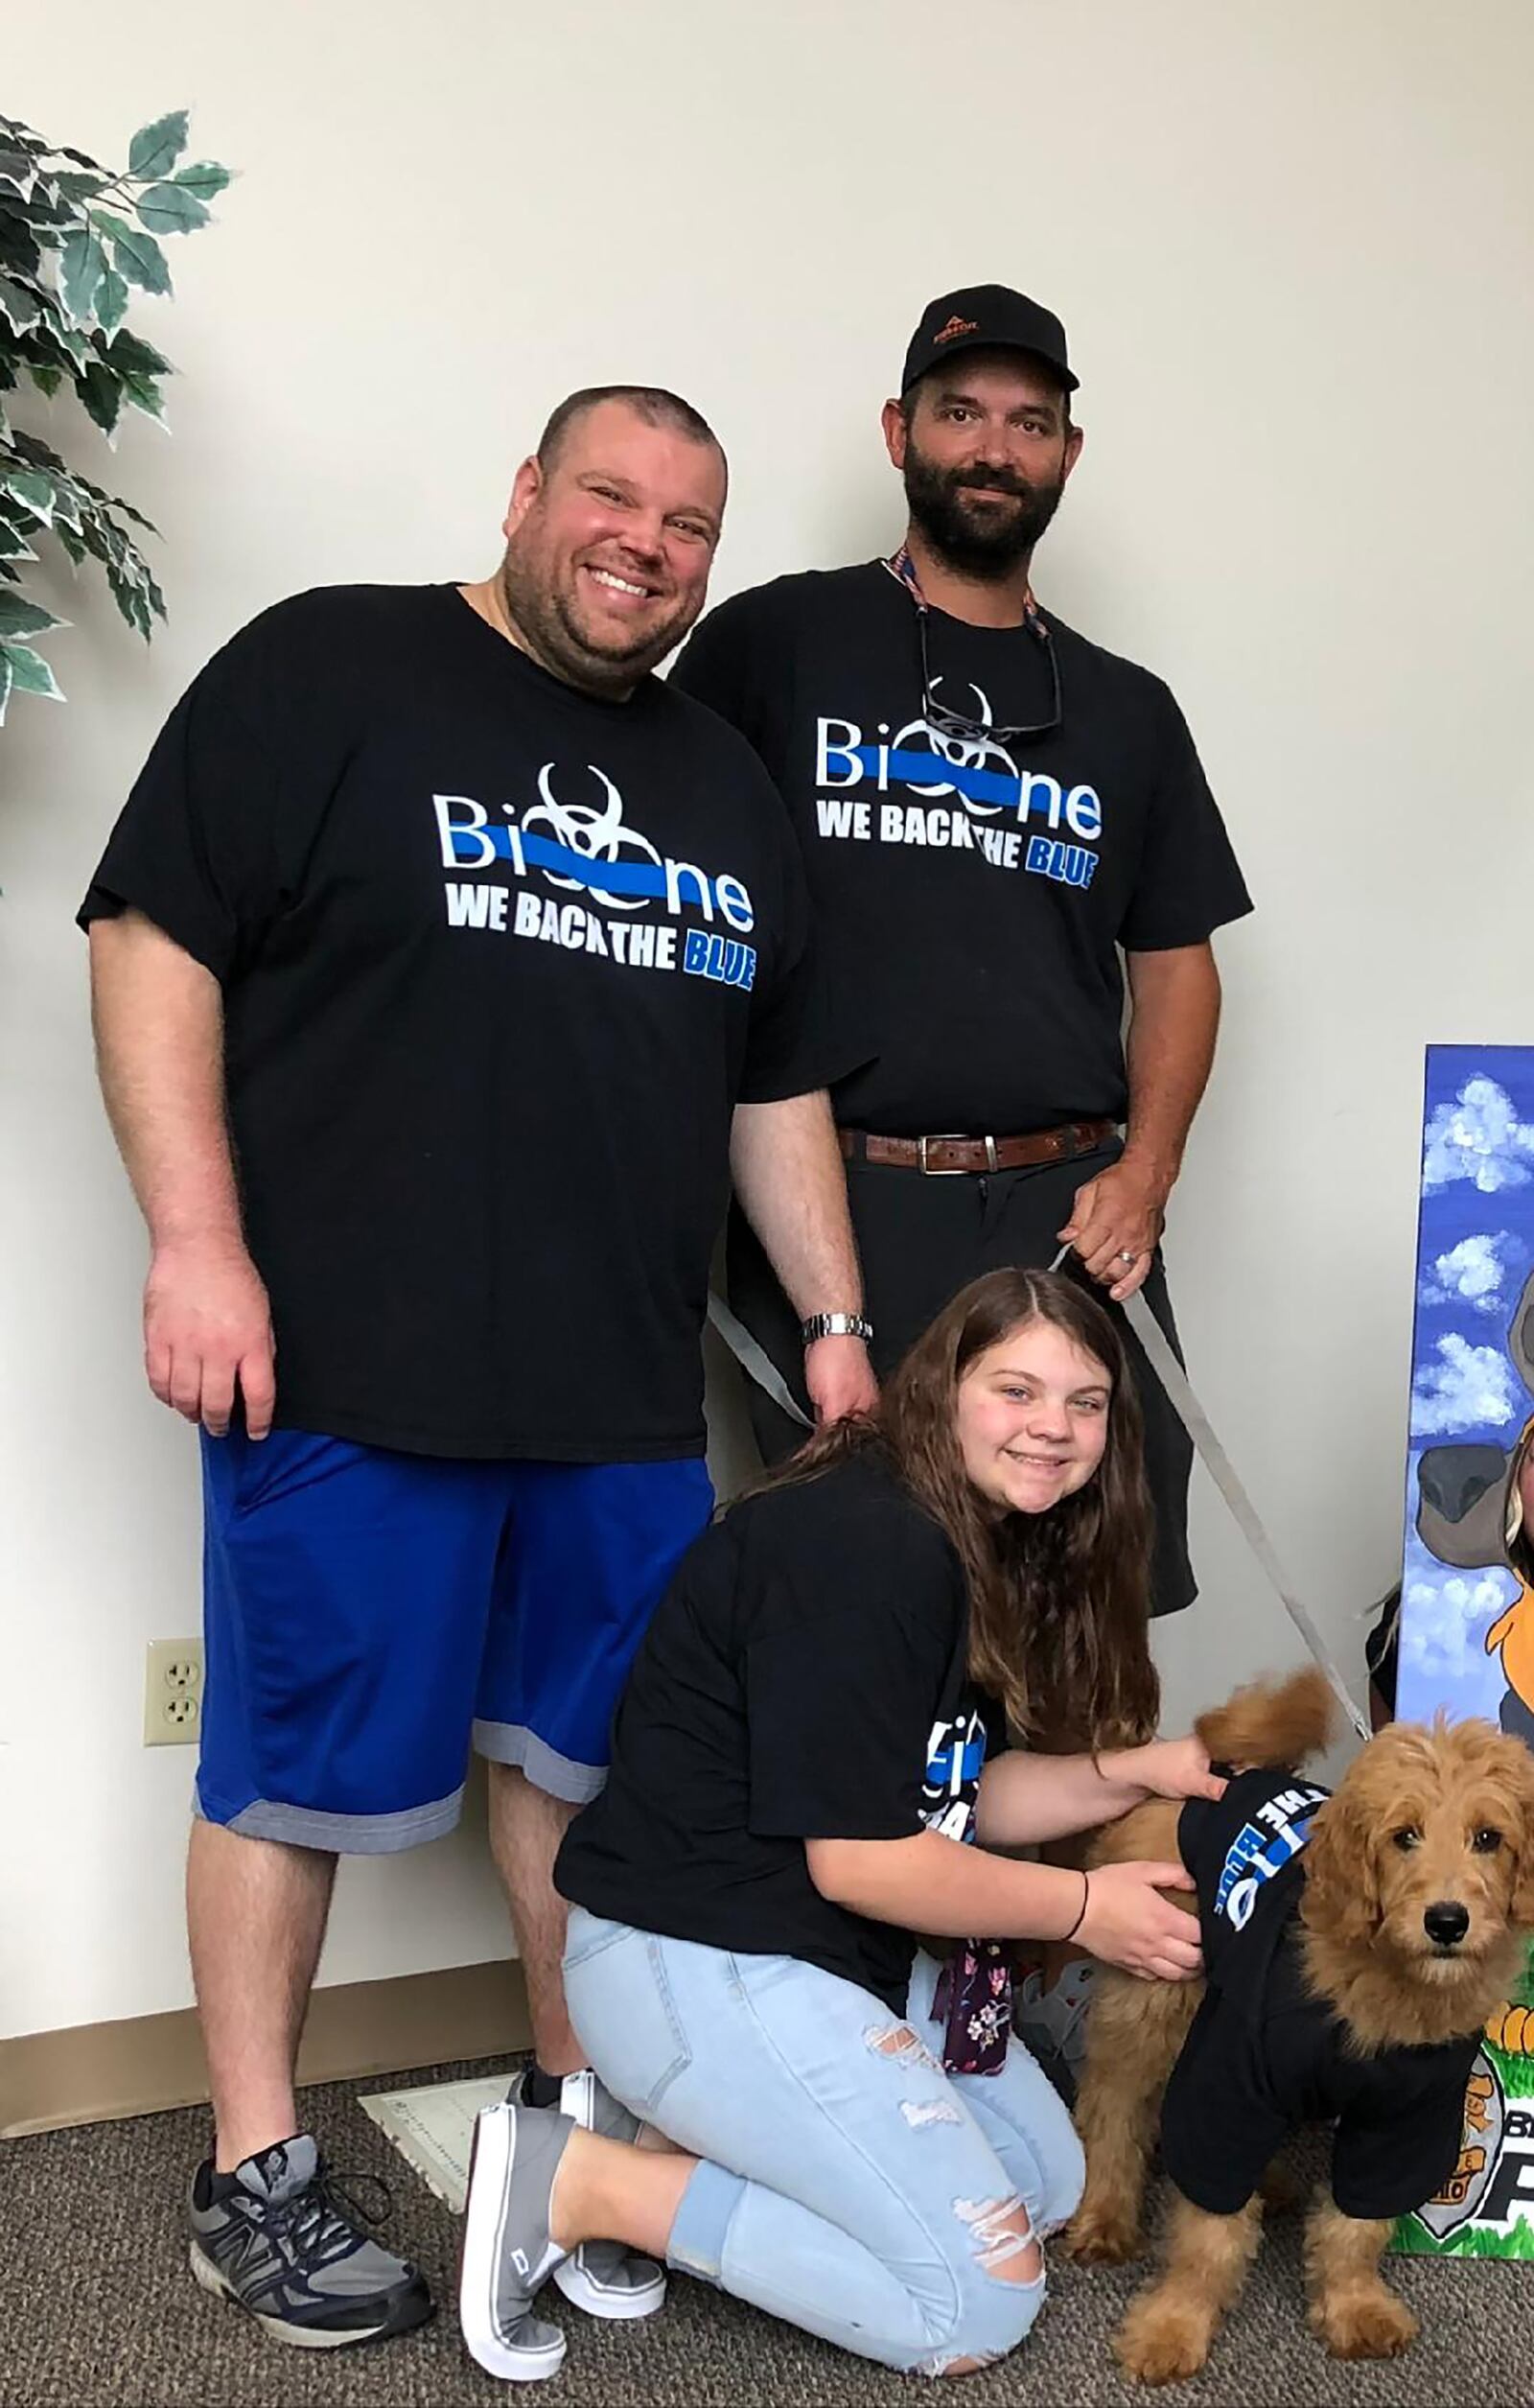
(1263, 2056)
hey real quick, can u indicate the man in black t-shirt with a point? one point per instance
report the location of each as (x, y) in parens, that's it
(990, 808)
(446, 964)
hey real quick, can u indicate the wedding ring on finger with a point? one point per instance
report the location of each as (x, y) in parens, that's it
(1126, 1257)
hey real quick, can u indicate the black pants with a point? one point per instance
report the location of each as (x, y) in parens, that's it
(921, 1240)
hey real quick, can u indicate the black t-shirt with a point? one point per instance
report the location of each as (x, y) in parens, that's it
(498, 962)
(969, 906)
(1264, 2056)
(803, 1678)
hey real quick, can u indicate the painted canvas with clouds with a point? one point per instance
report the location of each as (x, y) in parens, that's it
(1466, 1618)
(1472, 1374)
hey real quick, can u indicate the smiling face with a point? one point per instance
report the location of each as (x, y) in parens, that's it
(1032, 1418)
(609, 543)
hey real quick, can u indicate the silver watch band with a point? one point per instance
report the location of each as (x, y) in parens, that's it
(835, 1325)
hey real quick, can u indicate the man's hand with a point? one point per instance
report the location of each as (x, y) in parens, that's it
(207, 1326)
(1115, 1225)
(158, 1017)
(840, 1378)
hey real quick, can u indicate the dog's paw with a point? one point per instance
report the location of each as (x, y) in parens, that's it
(1102, 2240)
(1098, 2237)
(1161, 2342)
(1371, 2325)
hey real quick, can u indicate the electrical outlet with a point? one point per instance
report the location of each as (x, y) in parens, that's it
(173, 1692)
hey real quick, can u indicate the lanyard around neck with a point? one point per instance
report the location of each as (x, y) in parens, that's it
(904, 568)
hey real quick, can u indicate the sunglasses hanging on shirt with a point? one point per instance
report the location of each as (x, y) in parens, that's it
(954, 724)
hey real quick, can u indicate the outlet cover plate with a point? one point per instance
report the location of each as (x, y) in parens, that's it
(172, 1693)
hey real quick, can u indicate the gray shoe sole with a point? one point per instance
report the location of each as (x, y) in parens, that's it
(616, 2302)
(402, 2315)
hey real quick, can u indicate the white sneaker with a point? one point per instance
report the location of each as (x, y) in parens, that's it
(507, 2253)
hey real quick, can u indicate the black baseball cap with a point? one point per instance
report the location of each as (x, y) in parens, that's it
(986, 316)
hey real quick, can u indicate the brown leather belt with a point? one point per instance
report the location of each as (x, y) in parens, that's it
(949, 1158)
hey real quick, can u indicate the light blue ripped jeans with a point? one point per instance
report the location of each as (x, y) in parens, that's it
(848, 2183)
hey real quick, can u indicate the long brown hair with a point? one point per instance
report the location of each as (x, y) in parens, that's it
(1058, 1601)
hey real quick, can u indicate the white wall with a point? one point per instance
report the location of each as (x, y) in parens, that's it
(1293, 247)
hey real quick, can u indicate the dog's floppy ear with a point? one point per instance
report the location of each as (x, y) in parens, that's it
(1341, 1873)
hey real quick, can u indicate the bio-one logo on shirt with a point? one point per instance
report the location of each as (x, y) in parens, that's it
(590, 848)
(1277, 1831)
(1056, 826)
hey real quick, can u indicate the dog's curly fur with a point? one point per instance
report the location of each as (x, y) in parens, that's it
(1365, 1951)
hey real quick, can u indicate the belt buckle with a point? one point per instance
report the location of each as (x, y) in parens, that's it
(952, 1137)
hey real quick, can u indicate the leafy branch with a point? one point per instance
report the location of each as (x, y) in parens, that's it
(70, 255)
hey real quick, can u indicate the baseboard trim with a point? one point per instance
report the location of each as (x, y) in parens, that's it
(97, 2072)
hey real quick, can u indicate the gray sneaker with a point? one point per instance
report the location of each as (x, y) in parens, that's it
(507, 2254)
(1052, 2023)
(604, 2277)
(280, 2239)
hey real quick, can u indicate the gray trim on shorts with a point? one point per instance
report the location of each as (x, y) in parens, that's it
(557, 1776)
(343, 1834)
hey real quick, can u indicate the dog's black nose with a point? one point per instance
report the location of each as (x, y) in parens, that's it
(1445, 1922)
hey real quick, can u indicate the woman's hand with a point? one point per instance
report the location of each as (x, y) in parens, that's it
(1127, 1923)
(1176, 1768)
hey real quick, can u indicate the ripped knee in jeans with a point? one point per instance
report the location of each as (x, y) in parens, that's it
(1007, 2249)
(1005, 2244)
(1001, 2231)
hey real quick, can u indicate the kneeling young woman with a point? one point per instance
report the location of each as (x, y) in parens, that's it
(834, 1697)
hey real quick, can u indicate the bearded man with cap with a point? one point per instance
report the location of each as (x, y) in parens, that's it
(999, 817)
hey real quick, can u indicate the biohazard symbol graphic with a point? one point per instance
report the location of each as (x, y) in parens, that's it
(597, 834)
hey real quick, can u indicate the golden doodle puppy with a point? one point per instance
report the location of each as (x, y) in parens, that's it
(1354, 1946)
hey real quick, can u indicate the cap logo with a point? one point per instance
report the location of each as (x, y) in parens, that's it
(956, 326)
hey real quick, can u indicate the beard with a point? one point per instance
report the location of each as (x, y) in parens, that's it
(989, 542)
(544, 609)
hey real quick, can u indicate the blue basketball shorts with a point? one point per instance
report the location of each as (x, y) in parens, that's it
(368, 1615)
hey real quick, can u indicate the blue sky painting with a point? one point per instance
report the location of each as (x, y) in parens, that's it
(1475, 1255)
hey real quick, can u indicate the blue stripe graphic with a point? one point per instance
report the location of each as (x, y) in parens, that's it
(930, 769)
(540, 852)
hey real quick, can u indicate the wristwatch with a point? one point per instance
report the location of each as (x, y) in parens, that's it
(835, 1325)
